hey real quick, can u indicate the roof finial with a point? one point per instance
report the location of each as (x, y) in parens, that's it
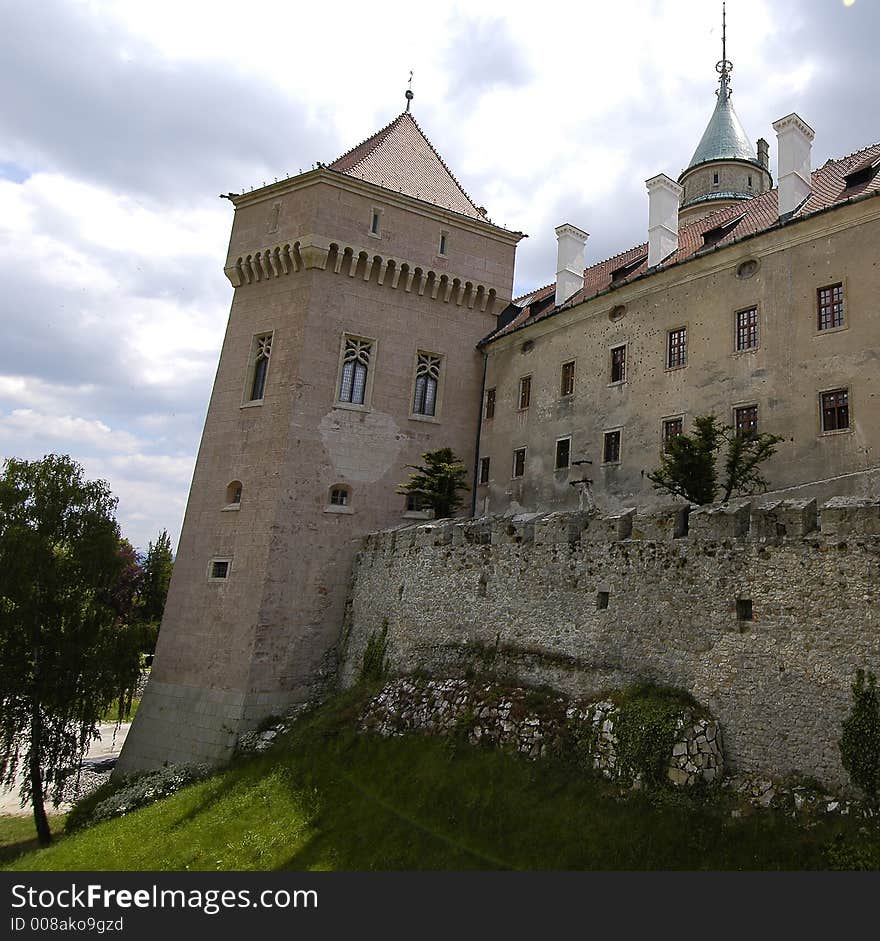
(725, 66)
(409, 94)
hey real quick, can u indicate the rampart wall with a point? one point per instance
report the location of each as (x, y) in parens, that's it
(762, 613)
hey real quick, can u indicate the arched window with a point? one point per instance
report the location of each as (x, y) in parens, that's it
(427, 379)
(260, 353)
(233, 493)
(355, 367)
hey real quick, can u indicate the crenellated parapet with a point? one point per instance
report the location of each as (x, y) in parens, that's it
(354, 261)
(837, 519)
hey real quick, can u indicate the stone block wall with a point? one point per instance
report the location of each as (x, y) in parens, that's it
(762, 613)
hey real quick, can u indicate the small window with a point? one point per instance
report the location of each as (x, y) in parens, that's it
(618, 364)
(233, 493)
(484, 470)
(602, 598)
(744, 610)
(563, 453)
(715, 178)
(374, 223)
(339, 496)
(750, 181)
(525, 391)
(356, 355)
(830, 302)
(443, 241)
(519, 462)
(611, 449)
(567, 384)
(416, 503)
(745, 420)
(219, 568)
(672, 427)
(747, 329)
(261, 350)
(490, 403)
(835, 410)
(427, 380)
(676, 348)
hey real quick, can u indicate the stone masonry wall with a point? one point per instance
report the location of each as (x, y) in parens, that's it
(761, 613)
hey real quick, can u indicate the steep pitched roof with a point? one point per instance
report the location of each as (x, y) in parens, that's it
(401, 158)
(724, 137)
(830, 188)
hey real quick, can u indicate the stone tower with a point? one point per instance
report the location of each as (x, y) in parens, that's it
(724, 169)
(361, 290)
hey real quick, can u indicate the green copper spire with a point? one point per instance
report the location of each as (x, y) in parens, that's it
(724, 137)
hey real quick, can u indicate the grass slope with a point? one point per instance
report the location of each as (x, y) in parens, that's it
(327, 798)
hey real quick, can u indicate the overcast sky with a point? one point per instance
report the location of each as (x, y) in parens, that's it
(121, 122)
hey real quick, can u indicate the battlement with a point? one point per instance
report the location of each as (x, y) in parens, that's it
(837, 519)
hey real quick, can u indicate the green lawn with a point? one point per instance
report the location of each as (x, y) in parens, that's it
(18, 835)
(112, 714)
(327, 798)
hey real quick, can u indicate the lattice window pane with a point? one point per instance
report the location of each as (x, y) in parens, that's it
(830, 306)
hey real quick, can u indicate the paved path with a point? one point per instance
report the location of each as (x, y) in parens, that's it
(108, 745)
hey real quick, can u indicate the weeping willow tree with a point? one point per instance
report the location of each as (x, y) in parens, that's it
(66, 648)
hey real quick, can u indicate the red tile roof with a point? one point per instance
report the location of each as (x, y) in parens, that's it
(401, 158)
(745, 218)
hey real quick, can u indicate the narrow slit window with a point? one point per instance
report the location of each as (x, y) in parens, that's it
(484, 470)
(374, 223)
(490, 404)
(443, 239)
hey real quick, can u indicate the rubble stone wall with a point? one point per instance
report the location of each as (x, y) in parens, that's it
(761, 613)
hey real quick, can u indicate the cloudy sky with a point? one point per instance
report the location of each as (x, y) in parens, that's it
(121, 122)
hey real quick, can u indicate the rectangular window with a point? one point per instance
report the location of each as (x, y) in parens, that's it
(374, 223)
(830, 303)
(676, 348)
(835, 410)
(355, 371)
(672, 427)
(525, 391)
(443, 238)
(567, 385)
(745, 420)
(415, 503)
(261, 350)
(563, 453)
(611, 450)
(490, 403)
(484, 470)
(747, 329)
(426, 384)
(219, 568)
(618, 364)
(519, 462)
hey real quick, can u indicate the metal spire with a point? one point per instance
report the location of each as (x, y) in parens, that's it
(725, 66)
(409, 95)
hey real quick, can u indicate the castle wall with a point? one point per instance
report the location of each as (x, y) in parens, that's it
(521, 596)
(783, 376)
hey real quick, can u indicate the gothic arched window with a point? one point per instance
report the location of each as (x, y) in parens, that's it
(427, 381)
(355, 370)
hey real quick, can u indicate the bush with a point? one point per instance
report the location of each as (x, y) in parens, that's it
(860, 741)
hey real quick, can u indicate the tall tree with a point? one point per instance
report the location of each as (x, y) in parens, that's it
(63, 653)
(157, 567)
(689, 465)
(437, 483)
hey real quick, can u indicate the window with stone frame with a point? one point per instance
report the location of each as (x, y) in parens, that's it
(611, 447)
(519, 462)
(747, 329)
(427, 381)
(490, 404)
(672, 427)
(261, 351)
(567, 381)
(525, 392)
(339, 496)
(618, 364)
(563, 453)
(676, 348)
(835, 410)
(355, 371)
(830, 306)
(219, 569)
(484, 470)
(745, 420)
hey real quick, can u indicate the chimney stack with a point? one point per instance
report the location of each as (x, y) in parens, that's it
(570, 242)
(794, 143)
(664, 196)
(763, 153)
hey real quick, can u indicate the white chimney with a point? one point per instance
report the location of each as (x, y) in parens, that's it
(794, 138)
(664, 196)
(570, 242)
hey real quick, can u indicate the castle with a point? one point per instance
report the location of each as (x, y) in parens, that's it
(373, 320)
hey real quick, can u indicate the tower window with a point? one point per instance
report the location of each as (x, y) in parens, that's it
(374, 222)
(835, 410)
(676, 348)
(355, 371)
(484, 470)
(426, 384)
(233, 494)
(618, 364)
(611, 449)
(830, 302)
(261, 350)
(525, 391)
(747, 329)
(563, 453)
(750, 181)
(715, 178)
(219, 569)
(443, 240)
